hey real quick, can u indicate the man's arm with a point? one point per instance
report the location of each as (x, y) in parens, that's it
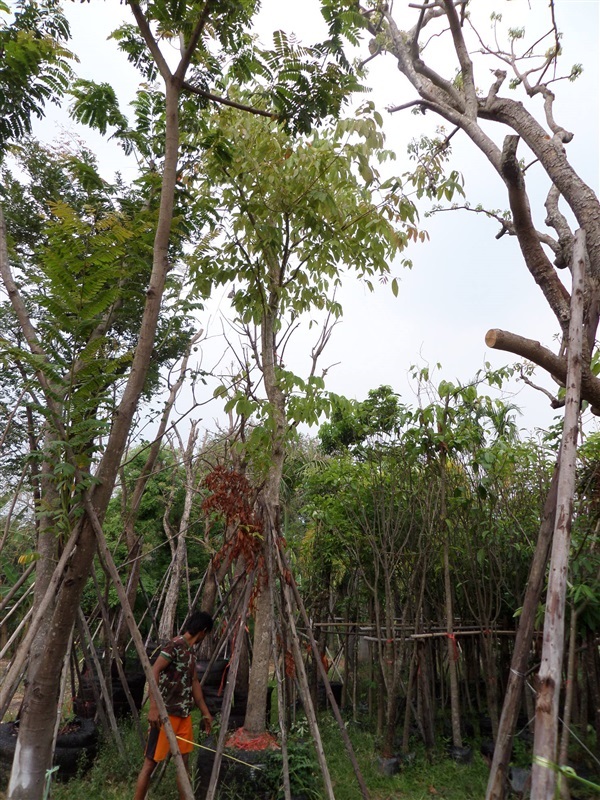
(201, 703)
(159, 665)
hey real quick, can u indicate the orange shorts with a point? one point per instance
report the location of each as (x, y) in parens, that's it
(157, 746)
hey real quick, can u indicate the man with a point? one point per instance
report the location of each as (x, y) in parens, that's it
(175, 673)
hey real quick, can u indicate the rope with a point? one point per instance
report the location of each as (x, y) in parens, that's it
(225, 755)
(568, 772)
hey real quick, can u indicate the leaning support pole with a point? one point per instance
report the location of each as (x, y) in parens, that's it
(279, 667)
(229, 689)
(61, 694)
(496, 788)
(111, 568)
(290, 584)
(15, 672)
(545, 745)
(87, 637)
(9, 596)
(307, 702)
(113, 644)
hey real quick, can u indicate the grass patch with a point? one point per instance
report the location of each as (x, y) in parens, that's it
(426, 776)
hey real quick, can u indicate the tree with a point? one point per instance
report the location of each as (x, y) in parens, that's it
(302, 85)
(293, 215)
(196, 22)
(469, 101)
(35, 65)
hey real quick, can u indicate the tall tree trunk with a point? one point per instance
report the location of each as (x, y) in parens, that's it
(496, 788)
(543, 774)
(47, 549)
(254, 721)
(33, 752)
(451, 645)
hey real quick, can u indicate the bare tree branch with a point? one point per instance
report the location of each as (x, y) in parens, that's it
(225, 102)
(535, 257)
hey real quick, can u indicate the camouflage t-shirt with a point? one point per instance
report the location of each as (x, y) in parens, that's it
(175, 681)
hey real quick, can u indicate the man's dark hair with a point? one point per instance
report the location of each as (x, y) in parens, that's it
(199, 621)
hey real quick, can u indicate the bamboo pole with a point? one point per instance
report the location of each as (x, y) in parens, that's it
(279, 664)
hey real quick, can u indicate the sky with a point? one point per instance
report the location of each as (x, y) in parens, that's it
(463, 281)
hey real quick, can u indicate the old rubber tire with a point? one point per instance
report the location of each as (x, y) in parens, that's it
(72, 749)
(8, 741)
(86, 735)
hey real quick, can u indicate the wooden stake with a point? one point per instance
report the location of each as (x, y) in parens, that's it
(82, 622)
(229, 689)
(290, 584)
(109, 564)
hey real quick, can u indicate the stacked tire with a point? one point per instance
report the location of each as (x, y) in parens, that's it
(213, 689)
(74, 751)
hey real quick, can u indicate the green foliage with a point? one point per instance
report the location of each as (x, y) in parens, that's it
(96, 105)
(429, 177)
(373, 503)
(290, 214)
(81, 250)
(305, 86)
(576, 71)
(352, 424)
(34, 64)
(300, 85)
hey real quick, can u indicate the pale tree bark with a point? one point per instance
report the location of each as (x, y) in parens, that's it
(496, 788)
(465, 106)
(179, 548)
(254, 721)
(47, 549)
(545, 753)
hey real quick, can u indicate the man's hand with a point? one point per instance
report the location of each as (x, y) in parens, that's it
(154, 718)
(207, 721)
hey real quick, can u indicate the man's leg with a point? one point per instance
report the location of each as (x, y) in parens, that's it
(143, 781)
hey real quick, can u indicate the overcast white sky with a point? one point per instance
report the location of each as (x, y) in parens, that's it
(463, 281)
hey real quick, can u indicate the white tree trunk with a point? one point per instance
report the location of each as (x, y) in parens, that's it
(545, 751)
